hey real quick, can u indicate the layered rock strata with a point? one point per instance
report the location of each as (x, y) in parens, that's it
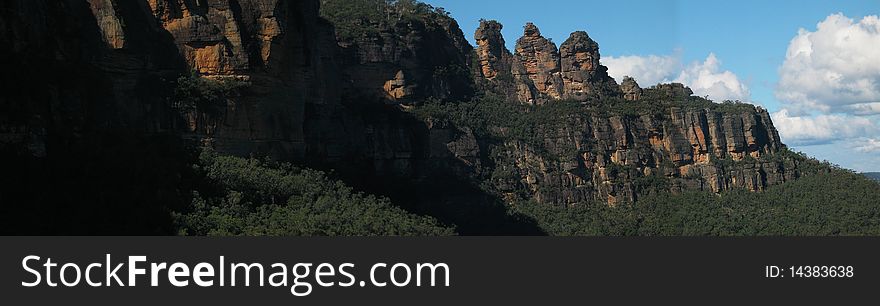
(611, 158)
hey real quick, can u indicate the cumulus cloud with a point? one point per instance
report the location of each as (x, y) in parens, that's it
(868, 145)
(706, 78)
(833, 69)
(647, 70)
(821, 129)
(864, 109)
(829, 86)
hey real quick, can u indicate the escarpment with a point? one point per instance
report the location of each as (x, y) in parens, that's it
(117, 63)
(400, 55)
(343, 92)
(588, 154)
(616, 157)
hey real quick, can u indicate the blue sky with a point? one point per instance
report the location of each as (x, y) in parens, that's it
(736, 50)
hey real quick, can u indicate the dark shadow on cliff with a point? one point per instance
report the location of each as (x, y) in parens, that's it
(441, 188)
(110, 184)
(455, 201)
(76, 159)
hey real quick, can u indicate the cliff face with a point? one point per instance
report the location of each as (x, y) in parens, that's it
(306, 93)
(280, 48)
(89, 107)
(109, 67)
(128, 55)
(408, 60)
(614, 158)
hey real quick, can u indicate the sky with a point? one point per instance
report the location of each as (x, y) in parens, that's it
(815, 65)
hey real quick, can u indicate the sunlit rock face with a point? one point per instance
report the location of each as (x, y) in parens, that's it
(493, 56)
(536, 67)
(540, 72)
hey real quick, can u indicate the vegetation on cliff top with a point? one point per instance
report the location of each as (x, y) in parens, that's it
(491, 115)
(356, 18)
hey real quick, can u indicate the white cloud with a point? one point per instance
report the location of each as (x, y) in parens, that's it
(865, 109)
(705, 78)
(829, 86)
(812, 130)
(647, 70)
(868, 145)
(833, 69)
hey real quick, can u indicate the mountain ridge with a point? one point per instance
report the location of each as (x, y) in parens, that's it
(311, 95)
(388, 96)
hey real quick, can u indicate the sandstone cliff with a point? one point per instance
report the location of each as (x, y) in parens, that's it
(614, 158)
(128, 54)
(82, 71)
(407, 57)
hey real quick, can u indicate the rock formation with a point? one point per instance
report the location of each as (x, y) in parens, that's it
(631, 89)
(672, 90)
(536, 67)
(397, 89)
(582, 74)
(493, 56)
(540, 71)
